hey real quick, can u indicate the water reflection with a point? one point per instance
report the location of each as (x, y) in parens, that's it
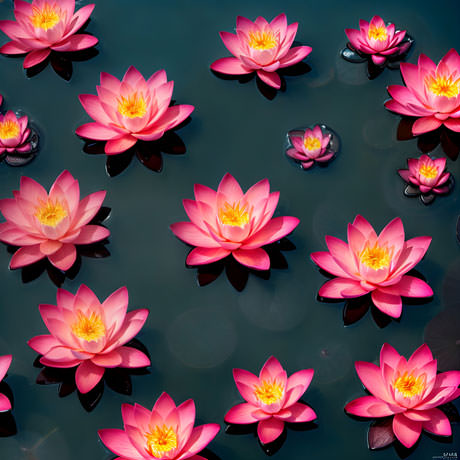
(7, 422)
(238, 274)
(148, 153)
(118, 379)
(95, 250)
(448, 139)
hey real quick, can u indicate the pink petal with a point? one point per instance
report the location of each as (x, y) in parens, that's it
(230, 66)
(119, 443)
(342, 288)
(35, 57)
(132, 358)
(64, 258)
(371, 377)
(300, 413)
(94, 109)
(425, 125)
(389, 355)
(252, 258)
(87, 376)
(325, 261)
(191, 234)
(296, 386)
(231, 42)
(438, 424)
(389, 304)
(97, 132)
(407, 431)
(269, 430)
(134, 321)
(453, 124)
(14, 48)
(42, 344)
(341, 253)
(5, 403)
(111, 359)
(116, 146)
(25, 256)
(273, 231)
(201, 256)
(201, 436)
(91, 234)
(368, 406)
(295, 55)
(241, 414)
(76, 43)
(5, 362)
(88, 208)
(164, 405)
(270, 78)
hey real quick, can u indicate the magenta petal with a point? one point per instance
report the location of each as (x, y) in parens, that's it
(5, 362)
(425, 125)
(389, 304)
(25, 256)
(342, 288)
(132, 358)
(371, 377)
(87, 376)
(453, 124)
(201, 436)
(76, 43)
(116, 146)
(5, 403)
(119, 443)
(91, 234)
(191, 234)
(232, 43)
(35, 57)
(252, 258)
(407, 431)
(274, 230)
(97, 132)
(270, 78)
(295, 55)
(64, 258)
(325, 261)
(409, 286)
(42, 344)
(269, 430)
(368, 406)
(230, 66)
(241, 414)
(438, 424)
(201, 256)
(300, 413)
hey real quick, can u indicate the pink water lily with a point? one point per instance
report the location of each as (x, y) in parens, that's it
(90, 334)
(408, 390)
(44, 26)
(50, 225)
(377, 40)
(426, 174)
(271, 399)
(232, 222)
(261, 47)
(374, 264)
(310, 148)
(14, 134)
(131, 110)
(432, 93)
(164, 433)
(5, 361)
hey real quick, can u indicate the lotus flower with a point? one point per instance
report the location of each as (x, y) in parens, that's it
(261, 47)
(377, 40)
(272, 399)
(311, 147)
(50, 225)
(374, 264)
(166, 432)
(44, 26)
(5, 362)
(131, 110)
(427, 174)
(230, 222)
(409, 390)
(432, 93)
(14, 134)
(90, 335)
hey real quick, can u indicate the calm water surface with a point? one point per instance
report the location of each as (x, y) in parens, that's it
(196, 335)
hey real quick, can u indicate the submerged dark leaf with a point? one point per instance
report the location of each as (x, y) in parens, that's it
(380, 433)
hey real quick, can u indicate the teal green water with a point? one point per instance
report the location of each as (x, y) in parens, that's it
(196, 335)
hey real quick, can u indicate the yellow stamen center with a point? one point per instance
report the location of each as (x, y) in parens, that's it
(377, 33)
(375, 257)
(89, 327)
(160, 440)
(262, 40)
(312, 143)
(50, 212)
(430, 172)
(269, 391)
(409, 386)
(9, 129)
(233, 214)
(133, 106)
(441, 85)
(44, 18)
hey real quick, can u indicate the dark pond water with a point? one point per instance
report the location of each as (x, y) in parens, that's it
(196, 335)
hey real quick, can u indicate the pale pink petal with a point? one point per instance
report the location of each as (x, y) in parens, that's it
(97, 132)
(241, 414)
(407, 431)
(230, 66)
(134, 321)
(64, 258)
(252, 258)
(371, 377)
(438, 424)
(269, 430)
(191, 234)
(231, 42)
(87, 376)
(94, 109)
(91, 234)
(42, 344)
(201, 256)
(88, 208)
(369, 406)
(119, 443)
(341, 253)
(132, 358)
(325, 261)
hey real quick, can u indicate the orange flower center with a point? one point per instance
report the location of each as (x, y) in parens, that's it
(262, 40)
(409, 386)
(233, 214)
(160, 440)
(9, 129)
(89, 327)
(312, 143)
(430, 172)
(440, 85)
(269, 391)
(375, 257)
(45, 17)
(133, 106)
(377, 33)
(50, 212)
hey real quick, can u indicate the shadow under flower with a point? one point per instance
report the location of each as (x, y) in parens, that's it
(238, 274)
(118, 379)
(96, 251)
(427, 142)
(7, 422)
(355, 308)
(148, 153)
